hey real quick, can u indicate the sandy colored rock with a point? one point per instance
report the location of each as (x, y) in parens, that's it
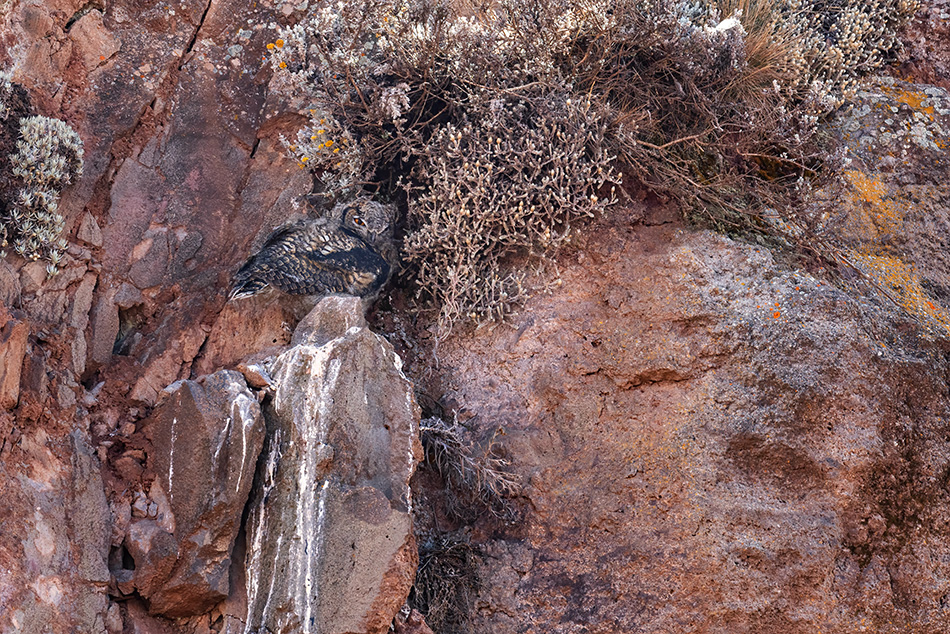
(32, 276)
(337, 314)
(329, 546)
(53, 558)
(414, 623)
(79, 308)
(89, 231)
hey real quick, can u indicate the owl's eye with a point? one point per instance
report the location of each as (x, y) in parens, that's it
(358, 221)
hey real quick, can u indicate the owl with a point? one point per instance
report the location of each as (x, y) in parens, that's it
(350, 250)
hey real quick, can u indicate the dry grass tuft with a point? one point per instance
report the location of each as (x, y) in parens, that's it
(477, 480)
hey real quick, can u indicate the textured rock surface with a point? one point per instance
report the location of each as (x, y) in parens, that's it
(53, 572)
(737, 493)
(205, 439)
(889, 216)
(13, 338)
(183, 169)
(710, 442)
(329, 533)
(926, 56)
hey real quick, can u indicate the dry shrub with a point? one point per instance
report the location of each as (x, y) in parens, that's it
(476, 480)
(501, 126)
(446, 583)
(42, 156)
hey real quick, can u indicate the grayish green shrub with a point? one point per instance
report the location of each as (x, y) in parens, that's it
(48, 157)
(505, 125)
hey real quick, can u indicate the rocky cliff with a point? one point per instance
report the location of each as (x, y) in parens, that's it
(709, 435)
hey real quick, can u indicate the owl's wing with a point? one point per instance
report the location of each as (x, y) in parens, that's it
(311, 259)
(361, 268)
(262, 268)
(281, 233)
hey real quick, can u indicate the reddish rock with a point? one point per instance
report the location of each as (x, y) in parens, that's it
(925, 57)
(205, 439)
(53, 557)
(261, 325)
(92, 42)
(155, 552)
(13, 338)
(9, 285)
(673, 432)
(708, 441)
(104, 328)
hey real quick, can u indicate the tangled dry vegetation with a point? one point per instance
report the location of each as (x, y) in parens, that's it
(502, 125)
(446, 583)
(479, 481)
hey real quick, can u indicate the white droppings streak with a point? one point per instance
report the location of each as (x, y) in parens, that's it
(306, 379)
(241, 408)
(311, 584)
(171, 460)
(310, 417)
(413, 434)
(312, 429)
(222, 439)
(275, 560)
(256, 549)
(325, 399)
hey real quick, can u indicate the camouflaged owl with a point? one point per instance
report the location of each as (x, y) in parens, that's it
(350, 250)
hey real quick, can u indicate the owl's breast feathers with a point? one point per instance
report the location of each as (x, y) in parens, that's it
(307, 259)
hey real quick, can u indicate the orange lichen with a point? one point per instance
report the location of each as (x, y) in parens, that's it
(902, 284)
(875, 212)
(914, 99)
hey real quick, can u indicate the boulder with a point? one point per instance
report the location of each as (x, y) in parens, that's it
(205, 437)
(330, 547)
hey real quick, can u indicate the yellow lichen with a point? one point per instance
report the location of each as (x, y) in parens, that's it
(914, 99)
(901, 282)
(874, 212)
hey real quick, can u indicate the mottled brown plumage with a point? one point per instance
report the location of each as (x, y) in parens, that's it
(347, 251)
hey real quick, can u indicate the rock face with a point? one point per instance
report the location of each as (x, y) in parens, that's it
(53, 571)
(708, 439)
(710, 442)
(206, 436)
(183, 168)
(329, 545)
